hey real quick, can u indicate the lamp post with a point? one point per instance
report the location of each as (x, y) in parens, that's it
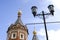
(34, 12)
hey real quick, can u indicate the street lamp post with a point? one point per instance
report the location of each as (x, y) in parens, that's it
(34, 12)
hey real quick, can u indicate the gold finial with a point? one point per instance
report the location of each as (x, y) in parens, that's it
(19, 13)
(34, 32)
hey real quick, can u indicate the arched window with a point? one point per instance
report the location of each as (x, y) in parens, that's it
(21, 36)
(13, 36)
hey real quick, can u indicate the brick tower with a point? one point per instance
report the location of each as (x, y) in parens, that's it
(17, 31)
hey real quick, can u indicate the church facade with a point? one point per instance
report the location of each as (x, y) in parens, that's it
(18, 31)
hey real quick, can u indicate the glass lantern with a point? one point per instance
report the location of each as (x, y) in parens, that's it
(34, 10)
(51, 9)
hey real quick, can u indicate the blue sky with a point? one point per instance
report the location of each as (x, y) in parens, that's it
(8, 15)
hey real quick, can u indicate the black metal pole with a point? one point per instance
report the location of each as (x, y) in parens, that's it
(45, 25)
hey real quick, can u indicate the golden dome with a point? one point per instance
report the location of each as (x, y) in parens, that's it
(19, 13)
(34, 32)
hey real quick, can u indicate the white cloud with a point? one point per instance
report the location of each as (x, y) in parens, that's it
(41, 32)
(53, 34)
